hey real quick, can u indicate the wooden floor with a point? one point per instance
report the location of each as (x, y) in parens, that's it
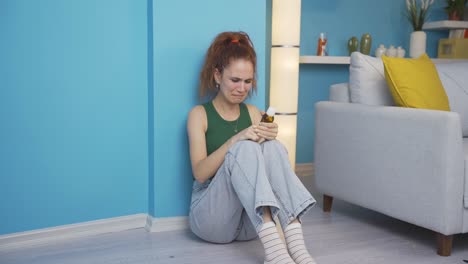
(349, 234)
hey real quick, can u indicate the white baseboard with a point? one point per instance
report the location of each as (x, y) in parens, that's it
(53, 234)
(91, 228)
(166, 224)
(304, 169)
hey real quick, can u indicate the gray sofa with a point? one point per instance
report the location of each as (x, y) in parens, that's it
(410, 164)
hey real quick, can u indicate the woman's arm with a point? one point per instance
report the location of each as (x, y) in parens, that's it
(203, 166)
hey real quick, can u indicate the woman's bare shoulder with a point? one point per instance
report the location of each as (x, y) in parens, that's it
(252, 108)
(197, 117)
(197, 111)
(254, 113)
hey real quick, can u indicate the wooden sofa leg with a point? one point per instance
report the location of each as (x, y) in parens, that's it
(444, 245)
(327, 203)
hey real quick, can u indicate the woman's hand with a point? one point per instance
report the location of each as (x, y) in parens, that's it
(247, 134)
(258, 133)
(266, 131)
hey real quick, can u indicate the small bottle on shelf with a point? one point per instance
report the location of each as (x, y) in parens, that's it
(322, 45)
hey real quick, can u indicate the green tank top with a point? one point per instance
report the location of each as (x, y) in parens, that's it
(220, 130)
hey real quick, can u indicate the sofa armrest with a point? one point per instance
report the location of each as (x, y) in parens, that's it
(339, 93)
(404, 162)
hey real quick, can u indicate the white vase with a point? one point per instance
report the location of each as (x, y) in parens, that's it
(417, 44)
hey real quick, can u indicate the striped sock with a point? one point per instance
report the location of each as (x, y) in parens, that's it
(296, 246)
(275, 251)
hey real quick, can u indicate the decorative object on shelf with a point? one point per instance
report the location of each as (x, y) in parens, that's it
(455, 9)
(322, 45)
(391, 52)
(284, 71)
(417, 44)
(417, 15)
(381, 50)
(400, 52)
(453, 48)
(366, 44)
(353, 44)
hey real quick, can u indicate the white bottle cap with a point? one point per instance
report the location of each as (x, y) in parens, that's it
(271, 111)
(323, 36)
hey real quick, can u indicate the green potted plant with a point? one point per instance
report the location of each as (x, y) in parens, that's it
(455, 9)
(417, 12)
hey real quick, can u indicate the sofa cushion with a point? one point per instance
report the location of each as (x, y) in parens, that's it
(367, 81)
(415, 83)
(454, 77)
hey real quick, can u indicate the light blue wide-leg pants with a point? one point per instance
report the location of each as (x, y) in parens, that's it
(230, 205)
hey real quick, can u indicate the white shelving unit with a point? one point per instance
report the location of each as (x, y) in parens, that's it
(456, 28)
(435, 25)
(324, 59)
(445, 24)
(345, 60)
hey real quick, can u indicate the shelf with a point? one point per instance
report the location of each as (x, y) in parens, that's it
(346, 60)
(449, 60)
(324, 59)
(445, 24)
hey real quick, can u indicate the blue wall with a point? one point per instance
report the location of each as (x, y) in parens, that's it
(181, 38)
(73, 111)
(340, 19)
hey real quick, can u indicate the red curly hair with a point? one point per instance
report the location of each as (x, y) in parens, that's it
(225, 47)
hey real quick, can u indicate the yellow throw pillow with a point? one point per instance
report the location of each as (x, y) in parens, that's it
(415, 83)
